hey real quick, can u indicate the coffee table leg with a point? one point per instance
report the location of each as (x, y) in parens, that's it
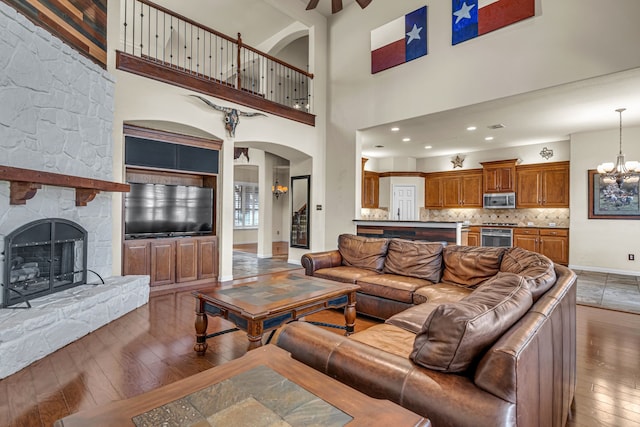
(350, 313)
(201, 327)
(254, 333)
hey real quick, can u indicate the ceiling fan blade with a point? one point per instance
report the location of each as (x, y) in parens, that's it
(363, 3)
(312, 4)
(336, 6)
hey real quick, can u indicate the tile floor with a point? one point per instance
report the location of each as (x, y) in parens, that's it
(608, 290)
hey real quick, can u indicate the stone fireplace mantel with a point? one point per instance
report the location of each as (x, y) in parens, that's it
(26, 182)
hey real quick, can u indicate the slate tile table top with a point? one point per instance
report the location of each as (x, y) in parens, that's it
(265, 387)
(265, 303)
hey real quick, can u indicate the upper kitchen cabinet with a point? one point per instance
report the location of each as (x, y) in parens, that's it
(460, 189)
(544, 185)
(370, 190)
(499, 176)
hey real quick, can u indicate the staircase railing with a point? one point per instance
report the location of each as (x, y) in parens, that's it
(160, 35)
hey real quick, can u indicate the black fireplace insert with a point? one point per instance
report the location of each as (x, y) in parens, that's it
(43, 257)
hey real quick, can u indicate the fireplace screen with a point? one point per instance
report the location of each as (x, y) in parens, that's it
(44, 257)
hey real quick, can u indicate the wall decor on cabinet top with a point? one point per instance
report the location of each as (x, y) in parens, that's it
(473, 18)
(82, 24)
(401, 40)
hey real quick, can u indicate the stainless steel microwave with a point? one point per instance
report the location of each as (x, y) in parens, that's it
(499, 200)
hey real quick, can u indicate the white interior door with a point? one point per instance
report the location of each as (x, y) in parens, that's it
(404, 203)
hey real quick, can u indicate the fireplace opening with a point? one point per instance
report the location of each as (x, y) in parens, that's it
(43, 257)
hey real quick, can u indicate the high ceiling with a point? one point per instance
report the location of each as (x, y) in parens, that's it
(538, 117)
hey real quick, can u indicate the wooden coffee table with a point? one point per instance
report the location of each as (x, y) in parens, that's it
(266, 303)
(265, 386)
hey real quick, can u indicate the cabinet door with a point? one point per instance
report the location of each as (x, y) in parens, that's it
(186, 260)
(451, 197)
(555, 188)
(471, 196)
(473, 238)
(370, 190)
(499, 176)
(163, 262)
(208, 258)
(491, 180)
(528, 242)
(135, 257)
(555, 245)
(529, 194)
(433, 193)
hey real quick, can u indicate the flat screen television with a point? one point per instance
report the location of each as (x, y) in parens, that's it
(161, 210)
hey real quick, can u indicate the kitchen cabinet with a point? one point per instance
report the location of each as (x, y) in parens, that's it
(433, 192)
(543, 185)
(461, 189)
(499, 176)
(370, 190)
(473, 236)
(551, 242)
(172, 260)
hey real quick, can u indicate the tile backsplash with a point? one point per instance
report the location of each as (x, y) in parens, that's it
(534, 217)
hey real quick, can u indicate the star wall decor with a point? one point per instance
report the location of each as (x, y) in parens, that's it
(457, 161)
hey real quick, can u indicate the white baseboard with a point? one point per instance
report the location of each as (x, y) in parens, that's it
(604, 270)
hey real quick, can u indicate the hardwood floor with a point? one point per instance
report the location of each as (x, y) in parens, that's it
(153, 346)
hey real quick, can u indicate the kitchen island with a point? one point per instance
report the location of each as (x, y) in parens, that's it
(449, 232)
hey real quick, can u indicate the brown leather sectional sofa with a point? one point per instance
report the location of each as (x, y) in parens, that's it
(486, 336)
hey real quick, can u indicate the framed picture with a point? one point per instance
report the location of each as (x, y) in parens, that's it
(608, 201)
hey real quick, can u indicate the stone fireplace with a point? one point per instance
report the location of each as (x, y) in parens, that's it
(56, 117)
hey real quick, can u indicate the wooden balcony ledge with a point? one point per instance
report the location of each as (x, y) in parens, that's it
(26, 182)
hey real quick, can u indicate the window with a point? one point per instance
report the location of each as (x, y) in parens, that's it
(245, 205)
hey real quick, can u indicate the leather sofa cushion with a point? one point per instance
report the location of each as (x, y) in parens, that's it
(471, 265)
(363, 252)
(343, 274)
(412, 318)
(440, 293)
(455, 334)
(416, 259)
(536, 268)
(388, 338)
(391, 286)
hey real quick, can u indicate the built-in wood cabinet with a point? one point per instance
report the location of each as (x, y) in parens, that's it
(499, 176)
(543, 185)
(551, 242)
(370, 190)
(172, 260)
(453, 189)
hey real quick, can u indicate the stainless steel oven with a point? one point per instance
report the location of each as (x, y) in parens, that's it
(496, 237)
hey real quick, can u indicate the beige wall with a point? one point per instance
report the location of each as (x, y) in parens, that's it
(598, 244)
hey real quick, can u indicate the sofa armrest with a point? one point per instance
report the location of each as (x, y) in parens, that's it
(317, 260)
(446, 399)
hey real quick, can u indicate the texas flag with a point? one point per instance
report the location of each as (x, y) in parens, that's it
(401, 40)
(472, 18)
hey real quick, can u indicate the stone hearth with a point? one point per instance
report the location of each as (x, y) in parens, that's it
(55, 320)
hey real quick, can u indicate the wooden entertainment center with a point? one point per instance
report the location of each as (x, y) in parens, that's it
(180, 259)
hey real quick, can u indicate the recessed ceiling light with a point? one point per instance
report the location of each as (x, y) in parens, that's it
(395, 129)
(488, 138)
(378, 146)
(406, 139)
(496, 126)
(428, 147)
(472, 128)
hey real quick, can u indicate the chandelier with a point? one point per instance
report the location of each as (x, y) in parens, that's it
(277, 189)
(621, 171)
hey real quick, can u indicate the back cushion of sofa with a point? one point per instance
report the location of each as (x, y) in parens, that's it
(470, 265)
(363, 252)
(536, 268)
(455, 334)
(416, 259)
